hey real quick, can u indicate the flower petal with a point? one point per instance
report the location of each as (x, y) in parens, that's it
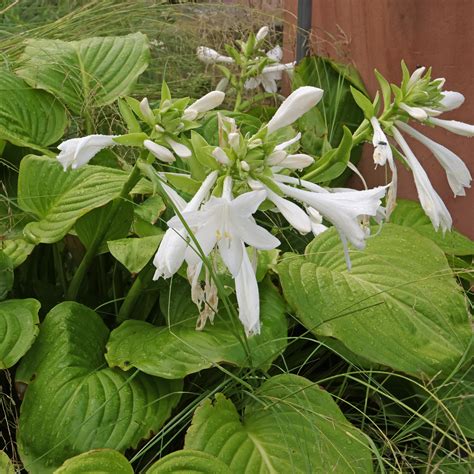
(291, 212)
(285, 145)
(254, 235)
(453, 126)
(230, 249)
(429, 198)
(246, 289)
(457, 172)
(276, 54)
(247, 204)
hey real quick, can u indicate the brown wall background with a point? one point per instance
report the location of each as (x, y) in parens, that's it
(378, 34)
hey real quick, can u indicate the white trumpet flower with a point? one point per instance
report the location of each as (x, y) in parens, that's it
(294, 106)
(77, 152)
(227, 224)
(382, 150)
(343, 209)
(457, 172)
(432, 204)
(171, 252)
(159, 151)
(382, 155)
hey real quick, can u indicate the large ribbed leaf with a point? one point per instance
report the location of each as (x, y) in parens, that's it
(59, 198)
(177, 350)
(87, 73)
(29, 117)
(289, 425)
(411, 214)
(6, 466)
(96, 461)
(18, 329)
(74, 403)
(6, 274)
(17, 250)
(189, 462)
(399, 305)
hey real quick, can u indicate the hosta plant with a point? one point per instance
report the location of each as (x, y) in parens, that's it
(193, 288)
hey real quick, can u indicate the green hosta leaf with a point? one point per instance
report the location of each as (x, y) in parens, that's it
(59, 198)
(135, 253)
(74, 403)
(150, 209)
(29, 117)
(333, 163)
(88, 225)
(6, 275)
(96, 461)
(18, 329)
(188, 462)
(6, 466)
(289, 425)
(17, 250)
(183, 183)
(399, 305)
(411, 214)
(89, 73)
(336, 109)
(177, 350)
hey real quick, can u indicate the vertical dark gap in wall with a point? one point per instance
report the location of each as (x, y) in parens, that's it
(304, 28)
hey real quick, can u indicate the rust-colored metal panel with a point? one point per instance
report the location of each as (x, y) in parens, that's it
(378, 34)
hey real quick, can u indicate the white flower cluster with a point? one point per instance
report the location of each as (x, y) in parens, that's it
(457, 173)
(270, 73)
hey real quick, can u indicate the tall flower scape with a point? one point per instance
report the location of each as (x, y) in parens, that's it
(245, 175)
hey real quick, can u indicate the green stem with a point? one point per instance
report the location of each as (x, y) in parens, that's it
(139, 286)
(81, 271)
(238, 101)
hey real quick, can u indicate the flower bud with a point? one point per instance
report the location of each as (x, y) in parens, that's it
(161, 152)
(262, 33)
(294, 106)
(146, 110)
